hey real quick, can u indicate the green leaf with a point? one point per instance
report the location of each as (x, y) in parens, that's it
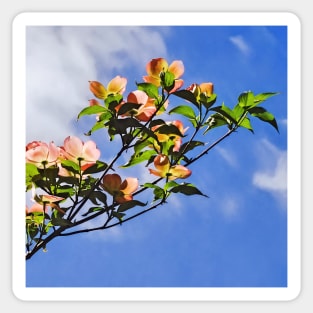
(118, 215)
(171, 184)
(188, 146)
(140, 145)
(158, 192)
(112, 101)
(246, 100)
(168, 80)
(208, 101)
(130, 204)
(150, 89)
(71, 166)
(97, 195)
(187, 95)
(92, 210)
(156, 122)
(120, 126)
(264, 116)
(238, 112)
(187, 189)
(99, 166)
(169, 130)
(128, 107)
(94, 109)
(245, 123)
(32, 174)
(215, 120)
(227, 113)
(184, 110)
(60, 222)
(65, 191)
(264, 96)
(95, 127)
(139, 157)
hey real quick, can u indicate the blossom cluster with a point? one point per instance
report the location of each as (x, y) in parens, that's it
(63, 178)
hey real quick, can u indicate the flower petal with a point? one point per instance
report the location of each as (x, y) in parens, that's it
(111, 183)
(129, 185)
(177, 68)
(117, 85)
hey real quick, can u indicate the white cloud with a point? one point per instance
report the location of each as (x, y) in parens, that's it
(60, 62)
(229, 157)
(240, 43)
(273, 175)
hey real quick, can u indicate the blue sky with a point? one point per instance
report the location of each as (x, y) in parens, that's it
(235, 238)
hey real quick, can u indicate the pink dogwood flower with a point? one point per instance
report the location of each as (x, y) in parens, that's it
(120, 190)
(83, 153)
(42, 154)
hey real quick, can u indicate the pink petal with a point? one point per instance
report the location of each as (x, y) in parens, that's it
(73, 146)
(90, 153)
(137, 96)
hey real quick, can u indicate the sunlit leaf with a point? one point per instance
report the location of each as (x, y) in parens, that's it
(150, 89)
(139, 157)
(94, 109)
(70, 166)
(264, 96)
(184, 110)
(246, 100)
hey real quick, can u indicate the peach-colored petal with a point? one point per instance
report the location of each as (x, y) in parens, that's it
(137, 96)
(97, 89)
(93, 102)
(162, 163)
(155, 172)
(179, 171)
(51, 198)
(117, 85)
(177, 84)
(177, 68)
(152, 80)
(145, 112)
(123, 198)
(156, 66)
(207, 88)
(129, 185)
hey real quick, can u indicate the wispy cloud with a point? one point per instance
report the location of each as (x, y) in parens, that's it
(241, 44)
(272, 177)
(228, 156)
(60, 62)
